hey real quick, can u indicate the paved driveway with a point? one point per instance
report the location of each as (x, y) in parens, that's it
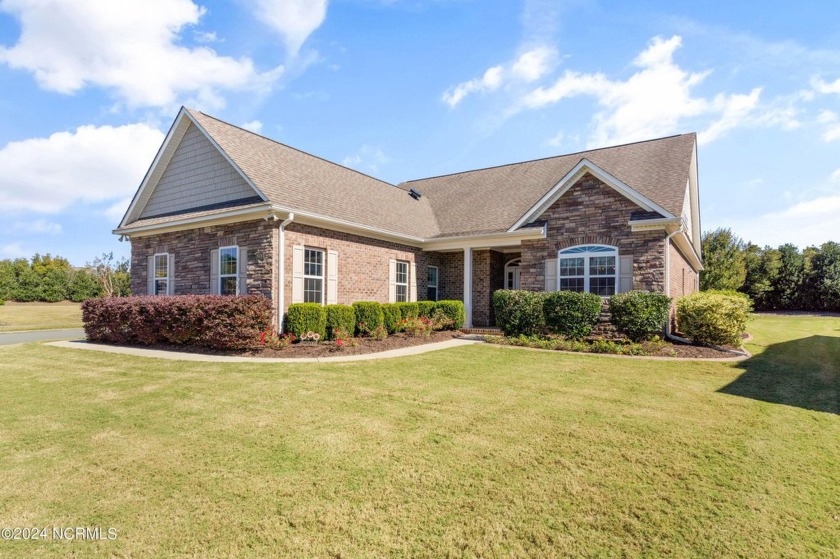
(41, 335)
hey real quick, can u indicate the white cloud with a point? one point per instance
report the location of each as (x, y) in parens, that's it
(116, 211)
(92, 163)
(254, 126)
(831, 123)
(534, 64)
(14, 250)
(528, 67)
(295, 20)
(811, 222)
(557, 140)
(826, 88)
(835, 176)
(39, 226)
(367, 159)
(656, 99)
(129, 47)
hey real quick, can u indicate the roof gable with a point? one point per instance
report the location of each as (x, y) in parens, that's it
(189, 173)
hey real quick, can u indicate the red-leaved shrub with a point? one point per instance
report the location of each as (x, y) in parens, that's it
(212, 321)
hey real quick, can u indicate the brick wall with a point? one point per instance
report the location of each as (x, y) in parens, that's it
(191, 249)
(682, 277)
(450, 273)
(592, 212)
(362, 262)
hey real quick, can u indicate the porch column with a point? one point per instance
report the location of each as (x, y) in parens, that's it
(468, 287)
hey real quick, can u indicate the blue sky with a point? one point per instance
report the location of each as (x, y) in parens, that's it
(409, 89)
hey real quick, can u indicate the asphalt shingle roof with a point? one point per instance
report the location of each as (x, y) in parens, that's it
(473, 202)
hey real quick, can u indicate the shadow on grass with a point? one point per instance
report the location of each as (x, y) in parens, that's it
(804, 373)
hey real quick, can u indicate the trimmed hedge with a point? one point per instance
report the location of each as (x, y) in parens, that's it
(306, 317)
(426, 308)
(519, 312)
(212, 321)
(453, 310)
(409, 310)
(391, 316)
(340, 317)
(713, 318)
(370, 313)
(570, 313)
(640, 315)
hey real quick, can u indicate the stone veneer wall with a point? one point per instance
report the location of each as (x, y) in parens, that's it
(592, 212)
(191, 250)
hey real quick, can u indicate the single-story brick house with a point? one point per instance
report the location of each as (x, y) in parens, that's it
(225, 210)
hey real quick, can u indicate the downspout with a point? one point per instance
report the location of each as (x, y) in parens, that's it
(281, 295)
(668, 279)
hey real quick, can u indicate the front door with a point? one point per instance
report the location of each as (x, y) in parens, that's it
(512, 276)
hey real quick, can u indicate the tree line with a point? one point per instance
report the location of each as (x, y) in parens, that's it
(52, 278)
(782, 278)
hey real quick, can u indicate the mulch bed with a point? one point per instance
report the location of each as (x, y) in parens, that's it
(397, 341)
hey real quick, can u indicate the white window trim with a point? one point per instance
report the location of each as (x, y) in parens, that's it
(235, 275)
(322, 277)
(509, 265)
(437, 282)
(397, 283)
(586, 256)
(155, 278)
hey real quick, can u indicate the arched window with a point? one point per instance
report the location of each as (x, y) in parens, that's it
(590, 268)
(512, 274)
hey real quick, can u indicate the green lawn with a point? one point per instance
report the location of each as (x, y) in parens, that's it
(39, 316)
(478, 451)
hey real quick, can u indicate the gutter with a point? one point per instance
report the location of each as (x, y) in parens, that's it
(681, 229)
(281, 295)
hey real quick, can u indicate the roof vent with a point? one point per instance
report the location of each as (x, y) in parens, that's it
(414, 194)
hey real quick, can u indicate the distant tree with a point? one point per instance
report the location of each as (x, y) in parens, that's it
(786, 291)
(83, 286)
(723, 261)
(112, 275)
(8, 280)
(762, 266)
(823, 278)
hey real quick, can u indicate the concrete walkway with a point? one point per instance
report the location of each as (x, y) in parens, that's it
(183, 356)
(9, 338)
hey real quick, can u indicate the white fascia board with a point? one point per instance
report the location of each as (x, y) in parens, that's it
(161, 160)
(685, 246)
(487, 240)
(263, 211)
(660, 223)
(333, 224)
(585, 166)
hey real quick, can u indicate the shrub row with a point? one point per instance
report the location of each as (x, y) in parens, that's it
(640, 315)
(325, 320)
(714, 317)
(528, 313)
(214, 321)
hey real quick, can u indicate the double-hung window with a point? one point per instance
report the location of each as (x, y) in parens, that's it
(161, 273)
(228, 270)
(401, 281)
(432, 283)
(589, 268)
(313, 276)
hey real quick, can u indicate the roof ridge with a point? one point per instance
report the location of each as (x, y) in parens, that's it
(296, 149)
(546, 158)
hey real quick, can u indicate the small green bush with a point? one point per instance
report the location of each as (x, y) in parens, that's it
(2, 302)
(640, 315)
(368, 313)
(307, 317)
(409, 310)
(713, 318)
(453, 310)
(427, 308)
(570, 313)
(392, 315)
(340, 318)
(519, 312)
